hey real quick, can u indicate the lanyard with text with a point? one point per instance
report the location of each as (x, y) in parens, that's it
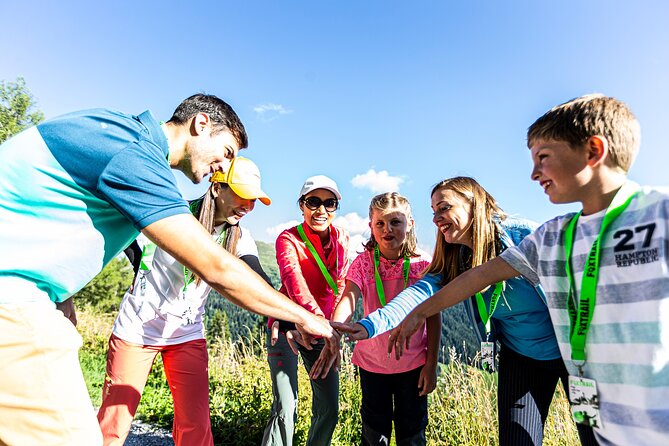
(580, 319)
(379, 284)
(483, 312)
(319, 261)
(188, 276)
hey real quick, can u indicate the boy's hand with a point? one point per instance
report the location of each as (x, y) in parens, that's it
(427, 381)
(400, 336)
(355, 331)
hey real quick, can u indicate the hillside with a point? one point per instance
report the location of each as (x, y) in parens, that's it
(455, 332)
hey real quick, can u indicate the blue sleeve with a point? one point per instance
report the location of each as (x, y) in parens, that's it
(139, 183)
(396, 310)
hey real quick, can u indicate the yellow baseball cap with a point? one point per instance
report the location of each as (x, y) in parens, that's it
(243, 177)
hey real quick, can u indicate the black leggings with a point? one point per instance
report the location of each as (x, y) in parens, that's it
(524, 395)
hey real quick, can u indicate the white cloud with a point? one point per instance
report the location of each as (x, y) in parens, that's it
(270, 111)
(274, 231)
(377, 182)
(358, 230)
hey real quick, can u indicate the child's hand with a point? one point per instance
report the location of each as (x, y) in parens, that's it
(326, 361)
(355, 331)
(400, 336)
(427, 381)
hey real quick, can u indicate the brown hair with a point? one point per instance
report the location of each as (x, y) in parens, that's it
(204, 209)
(447, 258)
(223, 117)
(391, 201)
(592, 115)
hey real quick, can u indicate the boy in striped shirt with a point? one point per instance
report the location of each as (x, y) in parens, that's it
(605, 270)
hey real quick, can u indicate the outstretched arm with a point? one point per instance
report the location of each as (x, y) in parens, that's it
(459, 289)
(183, 237)
(391, 315)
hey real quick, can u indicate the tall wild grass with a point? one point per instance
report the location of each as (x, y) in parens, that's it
(462, 410)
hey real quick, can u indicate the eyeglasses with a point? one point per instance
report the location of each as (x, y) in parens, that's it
(313, 203)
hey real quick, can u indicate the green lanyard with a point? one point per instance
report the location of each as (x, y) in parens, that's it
(319, 261)
(580, 320)
(379, 284)
(188, 276)
(483, 312)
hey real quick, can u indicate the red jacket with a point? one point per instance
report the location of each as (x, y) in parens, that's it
(301, 278)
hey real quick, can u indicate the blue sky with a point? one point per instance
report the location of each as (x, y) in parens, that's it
(394, 94)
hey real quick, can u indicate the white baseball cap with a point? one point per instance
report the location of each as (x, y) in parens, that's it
(320, 182)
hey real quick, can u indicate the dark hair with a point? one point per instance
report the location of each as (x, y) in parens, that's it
(223, 117)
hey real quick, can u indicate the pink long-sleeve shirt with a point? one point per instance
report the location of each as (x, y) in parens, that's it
(301, 278)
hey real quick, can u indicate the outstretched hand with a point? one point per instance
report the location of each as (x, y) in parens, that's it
(400, 336)
(354, 331)
(316, 326)
(325, 362)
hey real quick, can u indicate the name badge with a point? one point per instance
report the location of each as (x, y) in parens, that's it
(584, 401)
(488, 356)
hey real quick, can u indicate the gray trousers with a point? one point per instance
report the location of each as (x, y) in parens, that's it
(324, 404)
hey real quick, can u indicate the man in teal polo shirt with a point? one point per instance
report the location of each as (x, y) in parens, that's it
(93, 180)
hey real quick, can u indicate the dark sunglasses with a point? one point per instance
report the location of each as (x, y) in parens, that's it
(313, 203)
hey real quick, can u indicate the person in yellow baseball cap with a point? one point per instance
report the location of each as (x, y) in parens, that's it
(163, 311)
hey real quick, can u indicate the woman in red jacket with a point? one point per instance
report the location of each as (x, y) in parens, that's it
(313, 261)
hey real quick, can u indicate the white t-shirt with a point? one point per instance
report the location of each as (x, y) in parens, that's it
(158, 312)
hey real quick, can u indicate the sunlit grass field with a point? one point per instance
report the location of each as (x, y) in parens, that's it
(462, 410)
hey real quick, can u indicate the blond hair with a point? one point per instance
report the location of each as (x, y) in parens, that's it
(391, 201)
(204, 209)
(448, 258)
(592, 115)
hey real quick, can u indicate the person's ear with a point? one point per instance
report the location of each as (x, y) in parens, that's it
(200, 124)
(597, 149)
(410, 224)
(215, 190)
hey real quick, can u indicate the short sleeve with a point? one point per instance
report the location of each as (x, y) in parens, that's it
(355, 273)
(524, 257)
(246, 246)
(139, 183)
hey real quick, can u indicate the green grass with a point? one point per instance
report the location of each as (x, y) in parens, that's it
(462, 410)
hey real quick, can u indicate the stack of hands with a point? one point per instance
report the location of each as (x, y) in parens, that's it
(331, 355)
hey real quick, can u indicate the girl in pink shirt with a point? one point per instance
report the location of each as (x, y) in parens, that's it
(392, 390)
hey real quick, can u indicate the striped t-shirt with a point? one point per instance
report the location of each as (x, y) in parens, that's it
(627, 346)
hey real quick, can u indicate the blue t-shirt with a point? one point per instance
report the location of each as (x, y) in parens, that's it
(521, 321)
(74, 192)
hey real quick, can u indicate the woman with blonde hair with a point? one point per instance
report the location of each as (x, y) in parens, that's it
(473, 229)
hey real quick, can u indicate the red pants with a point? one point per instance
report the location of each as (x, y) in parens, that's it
(128, 367)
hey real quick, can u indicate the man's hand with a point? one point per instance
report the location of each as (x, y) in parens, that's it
(317, 326)
(399, 337)
(67, 307)
(354, 331)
